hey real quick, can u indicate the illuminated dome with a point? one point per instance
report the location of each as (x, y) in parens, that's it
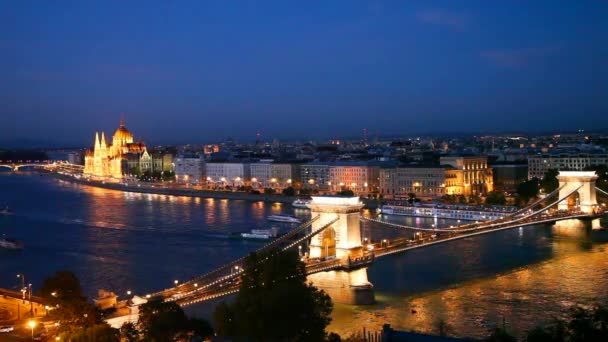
(122, 135)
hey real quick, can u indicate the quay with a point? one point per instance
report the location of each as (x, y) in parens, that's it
(158, 189)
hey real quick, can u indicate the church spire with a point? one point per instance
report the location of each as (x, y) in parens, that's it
(122, 121)
(97, 145)
(103, 140)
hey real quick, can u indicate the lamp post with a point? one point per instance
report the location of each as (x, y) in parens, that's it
(30, 299)
(32, 325)
(22, 286)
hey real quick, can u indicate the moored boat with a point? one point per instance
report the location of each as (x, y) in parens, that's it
(261, 234)
(6, 211)
(10, 243)
(300, 204)
(283, 218)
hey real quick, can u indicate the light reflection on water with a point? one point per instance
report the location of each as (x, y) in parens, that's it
(141, 242)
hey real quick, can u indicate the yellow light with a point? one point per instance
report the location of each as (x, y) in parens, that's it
(31, 324)
(254, 179)
(289, 181)
(273, 180)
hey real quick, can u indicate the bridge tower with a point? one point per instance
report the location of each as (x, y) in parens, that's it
(341, 240)
(570, 181)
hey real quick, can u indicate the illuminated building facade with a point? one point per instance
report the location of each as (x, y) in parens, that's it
(423, 181)
(266, 174)
(470, 175)
(222, 174)
(538, 165)
(111, 160)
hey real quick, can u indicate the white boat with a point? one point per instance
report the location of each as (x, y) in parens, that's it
(283, 218)
(301, 204)
(6, 211)
(261, 234)
(9, 243)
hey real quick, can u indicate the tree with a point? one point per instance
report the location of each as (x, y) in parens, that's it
(582, 325)
(199, 327)
(168, 175)
(462, 199)
(347, 192)
(305, 191)
(160, 320)
(496, 198)
(274, 285)
(528, 189)
(500, 335)
(63, 291)
(602, 172)
(62, 286)
(99, 333)
(289, 191)
(474, 199)
(443, 328)
(136, 171)
(448, 199)
(549, 181)
(129, 333)
(269, 191)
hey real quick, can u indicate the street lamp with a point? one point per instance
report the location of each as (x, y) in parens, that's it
(32, 325)
(22, 285)
(176, 282)
(128, 292)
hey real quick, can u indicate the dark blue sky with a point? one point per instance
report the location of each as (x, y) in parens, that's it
(204, 70)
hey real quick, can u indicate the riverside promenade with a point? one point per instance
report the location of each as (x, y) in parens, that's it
(159, 189)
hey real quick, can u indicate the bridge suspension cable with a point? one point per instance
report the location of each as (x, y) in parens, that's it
(601, 191)
(537, 202)
(311, 234)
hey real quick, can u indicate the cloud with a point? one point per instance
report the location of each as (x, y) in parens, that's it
(513, 58)
(453, 20)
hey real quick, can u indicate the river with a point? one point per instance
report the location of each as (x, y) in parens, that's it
(140, 242)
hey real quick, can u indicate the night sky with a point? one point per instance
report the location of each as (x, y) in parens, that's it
(199, 71)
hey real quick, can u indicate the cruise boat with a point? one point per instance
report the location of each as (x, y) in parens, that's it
(445, 212)
(300, 204)
(283, 218)
(6, 211)
(9, 243)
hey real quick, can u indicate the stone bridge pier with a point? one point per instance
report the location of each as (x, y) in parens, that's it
(585, 197)
(341, 240)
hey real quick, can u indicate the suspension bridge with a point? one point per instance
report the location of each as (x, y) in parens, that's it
(337, 257)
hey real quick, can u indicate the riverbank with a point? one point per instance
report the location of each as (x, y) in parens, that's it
(232, 195)
(147, 189)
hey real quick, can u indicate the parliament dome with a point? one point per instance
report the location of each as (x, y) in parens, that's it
(122, 135)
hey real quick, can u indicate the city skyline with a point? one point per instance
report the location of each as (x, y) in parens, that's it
(194, 72)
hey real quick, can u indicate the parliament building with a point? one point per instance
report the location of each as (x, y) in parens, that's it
(115, 159)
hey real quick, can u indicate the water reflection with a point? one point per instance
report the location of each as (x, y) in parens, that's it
(525, 297)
